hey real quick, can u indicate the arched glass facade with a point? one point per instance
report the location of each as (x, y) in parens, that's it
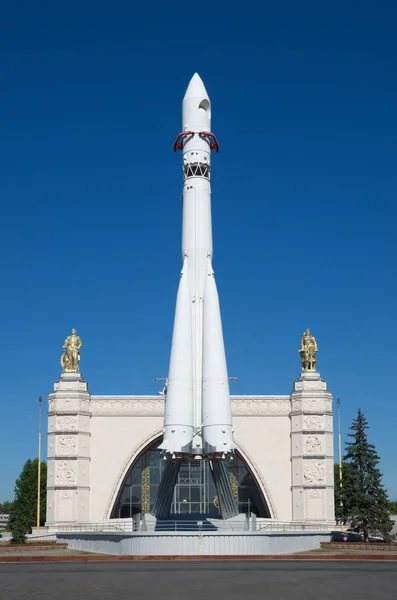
(195, 492)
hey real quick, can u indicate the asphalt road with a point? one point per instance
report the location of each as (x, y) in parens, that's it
(273, 580)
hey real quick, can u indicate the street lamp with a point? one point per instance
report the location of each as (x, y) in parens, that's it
(340, 466)
(39, 467)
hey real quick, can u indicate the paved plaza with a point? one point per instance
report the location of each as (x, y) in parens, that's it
(227, 580)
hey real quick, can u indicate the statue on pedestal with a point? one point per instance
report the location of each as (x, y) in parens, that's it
(308, 351)
(71, 356)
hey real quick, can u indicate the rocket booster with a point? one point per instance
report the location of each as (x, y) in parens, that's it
(198, 419)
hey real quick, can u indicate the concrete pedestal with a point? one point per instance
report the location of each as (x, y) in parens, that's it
(68, 466)
(312, 449)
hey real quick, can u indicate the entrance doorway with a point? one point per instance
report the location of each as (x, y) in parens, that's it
(194, 491)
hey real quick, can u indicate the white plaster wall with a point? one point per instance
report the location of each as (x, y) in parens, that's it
(266, 441)
(207, 544)
(114, 439)
(262, 433)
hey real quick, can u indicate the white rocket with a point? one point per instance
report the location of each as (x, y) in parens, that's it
(198, 418)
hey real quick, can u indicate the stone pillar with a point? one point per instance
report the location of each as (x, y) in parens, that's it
(312, 450)
(68, 452)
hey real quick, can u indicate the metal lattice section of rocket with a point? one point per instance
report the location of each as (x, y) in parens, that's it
(198, 418)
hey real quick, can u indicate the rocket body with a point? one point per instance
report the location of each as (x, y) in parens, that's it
(198, 419)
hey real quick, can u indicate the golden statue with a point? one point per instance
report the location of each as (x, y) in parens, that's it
(71, 356)
(308, 351)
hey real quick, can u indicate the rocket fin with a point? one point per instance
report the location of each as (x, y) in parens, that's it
(217, 413)
(178, 419)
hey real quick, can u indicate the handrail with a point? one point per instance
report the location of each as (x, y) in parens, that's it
(198, 525)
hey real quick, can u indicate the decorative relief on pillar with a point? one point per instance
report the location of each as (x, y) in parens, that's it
(310, 384)
(70, 385)
(66, 423)
(313, 445)
(314, 385)
(66, 404)
(84, 405)
(65, 505)
(67, 445)
(297, 406)
(315, 504)
(328, 404)
(313, 423)
(65, 473)
(314, 494)
(313, 473)
(70, 405)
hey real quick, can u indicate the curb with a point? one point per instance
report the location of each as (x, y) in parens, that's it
(129, 558)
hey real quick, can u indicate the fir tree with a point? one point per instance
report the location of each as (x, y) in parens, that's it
(24, 508)
(367, 504)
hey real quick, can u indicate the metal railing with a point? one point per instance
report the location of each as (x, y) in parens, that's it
(197, 526)
(41, 536)
(294, 526)
(209, 525)
(106, 526)
(31, 536)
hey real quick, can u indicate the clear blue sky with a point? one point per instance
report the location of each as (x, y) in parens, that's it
(304, 98)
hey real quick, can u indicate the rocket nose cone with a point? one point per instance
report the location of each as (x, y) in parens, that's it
(196, 107)
(196, 88)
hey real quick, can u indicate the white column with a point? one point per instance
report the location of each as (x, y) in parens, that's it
(312, 450)
(68, 453)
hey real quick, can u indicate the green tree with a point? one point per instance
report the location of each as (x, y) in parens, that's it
(24, 508)
(393, 507)
(367, 504)
(5, 507)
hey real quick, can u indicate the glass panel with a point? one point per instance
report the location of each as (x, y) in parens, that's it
(135, 476)
(184, 508)
(154, 475)
(195, 492)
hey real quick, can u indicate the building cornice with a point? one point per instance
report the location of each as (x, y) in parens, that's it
(244, 406)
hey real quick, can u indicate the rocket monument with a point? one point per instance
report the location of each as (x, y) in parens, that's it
(198, 418)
